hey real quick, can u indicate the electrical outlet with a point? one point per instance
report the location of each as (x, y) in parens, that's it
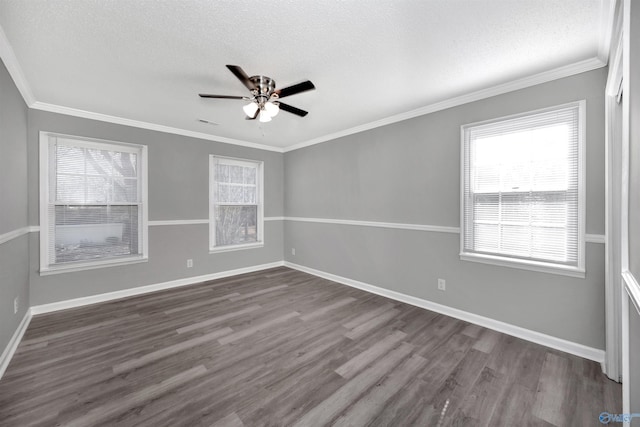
(442, 285)
(189, 263)
(15, 305)
(293, 251)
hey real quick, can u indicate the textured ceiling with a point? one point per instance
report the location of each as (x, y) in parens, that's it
(146, 60)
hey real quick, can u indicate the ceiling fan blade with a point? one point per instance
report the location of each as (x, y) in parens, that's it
(255, 116)
(297, 88)
(293, 110)
(205, 95)
(242, 76)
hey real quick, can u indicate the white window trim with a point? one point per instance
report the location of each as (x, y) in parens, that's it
(92, 265)
(524, 264)
(240, 247)
(260, 195)
(542, 267)
(44, 164)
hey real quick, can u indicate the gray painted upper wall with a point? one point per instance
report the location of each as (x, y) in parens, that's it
(14, 254)
(178, 190)
(409, 172)
(178, 165)
(13, 155)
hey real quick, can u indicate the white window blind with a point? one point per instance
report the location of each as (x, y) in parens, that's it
(236, 203)
(93, 202)
(522, 190)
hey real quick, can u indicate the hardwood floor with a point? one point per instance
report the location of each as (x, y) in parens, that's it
(283, 348)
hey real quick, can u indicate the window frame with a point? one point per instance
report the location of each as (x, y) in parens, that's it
(578, 270)
(45, 165)
(259, 203)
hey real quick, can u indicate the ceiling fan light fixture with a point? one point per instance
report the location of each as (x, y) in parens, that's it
(264, 116)
(265, 98)
(271, 108)
(250, 109)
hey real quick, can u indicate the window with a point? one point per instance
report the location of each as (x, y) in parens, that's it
(522, 191)
(236, 204)
(92, 203)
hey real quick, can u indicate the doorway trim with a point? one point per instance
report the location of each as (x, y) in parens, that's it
(614, 158)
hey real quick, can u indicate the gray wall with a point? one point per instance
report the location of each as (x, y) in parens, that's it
(409, 172)
(14, 276)
(406, 172)
(178, 190)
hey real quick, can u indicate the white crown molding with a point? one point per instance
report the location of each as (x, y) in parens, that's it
(506, 328)
(607, 22)
(15, 71)
(274, 218)
(109, 296)
(10, 60)
(12, 346)
(544, 77)
(145, 125)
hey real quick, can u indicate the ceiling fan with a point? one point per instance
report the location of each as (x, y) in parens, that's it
(265, 98)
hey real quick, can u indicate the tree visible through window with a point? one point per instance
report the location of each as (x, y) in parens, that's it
(94, 201)
(236, 211)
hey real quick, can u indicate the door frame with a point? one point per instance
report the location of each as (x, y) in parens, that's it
(613, 210)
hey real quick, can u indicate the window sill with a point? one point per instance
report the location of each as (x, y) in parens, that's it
(230, 248)
(538, 266)
(58, 269)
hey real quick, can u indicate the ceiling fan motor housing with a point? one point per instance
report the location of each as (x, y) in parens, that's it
(265, 86)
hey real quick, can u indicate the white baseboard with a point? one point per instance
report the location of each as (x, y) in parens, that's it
(109, 296)
(11, 348)
(506, 328)
(516, 331)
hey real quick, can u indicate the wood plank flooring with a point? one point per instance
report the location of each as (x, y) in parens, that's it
(283, 348)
